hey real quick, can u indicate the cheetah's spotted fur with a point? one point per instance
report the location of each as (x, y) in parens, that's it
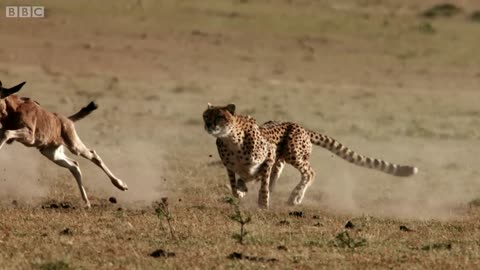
(260, 152)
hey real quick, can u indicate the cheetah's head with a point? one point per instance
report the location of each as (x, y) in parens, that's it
(219, 120)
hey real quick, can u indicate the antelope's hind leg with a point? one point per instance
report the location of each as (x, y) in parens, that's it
(57, 155)
(76, 146)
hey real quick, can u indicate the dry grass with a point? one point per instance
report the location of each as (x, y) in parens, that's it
(108, 237)
(373, 74)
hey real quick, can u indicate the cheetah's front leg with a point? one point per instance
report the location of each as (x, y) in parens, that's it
(236, 190)
(264, 177)
(241, 187)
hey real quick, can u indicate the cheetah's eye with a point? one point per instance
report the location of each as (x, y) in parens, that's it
(220, 118)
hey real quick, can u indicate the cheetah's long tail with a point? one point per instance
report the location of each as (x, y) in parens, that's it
(351, 156)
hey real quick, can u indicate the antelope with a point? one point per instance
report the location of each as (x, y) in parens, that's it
(25, 121)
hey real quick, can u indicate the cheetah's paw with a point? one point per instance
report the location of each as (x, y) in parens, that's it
(239, 194)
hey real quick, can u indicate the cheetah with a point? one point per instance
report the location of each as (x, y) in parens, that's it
(259, 153)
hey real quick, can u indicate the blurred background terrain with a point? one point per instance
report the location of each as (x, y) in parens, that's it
(398, 80)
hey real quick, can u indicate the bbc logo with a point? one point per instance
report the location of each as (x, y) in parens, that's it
(25, 12)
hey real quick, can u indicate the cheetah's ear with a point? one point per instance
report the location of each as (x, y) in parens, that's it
(231, 108)
(209, 105)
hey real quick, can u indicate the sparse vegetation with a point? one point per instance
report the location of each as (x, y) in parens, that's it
(437, 246)
(442, 10)
(475, 16)
(240, 256)
(163, 212)
(475, 202)
(240, 217)
(426, 27)
(344, 240)
(56, 265)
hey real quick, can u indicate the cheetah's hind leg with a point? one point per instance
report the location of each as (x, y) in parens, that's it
(308, 174)
(276, 172)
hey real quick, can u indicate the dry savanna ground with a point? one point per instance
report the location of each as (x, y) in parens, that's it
(374, 74)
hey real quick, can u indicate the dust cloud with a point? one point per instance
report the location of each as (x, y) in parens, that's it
(22, 174)
(139, 164)
(29, 178)
(441, 190)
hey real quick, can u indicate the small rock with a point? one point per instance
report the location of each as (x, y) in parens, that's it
(199, 33)
(87, 46)
(235, 256)
(66, 231)
(298, 214)
(282, 247)
(240, 256)
(162, 253)
(349, 225)
(65, 205)
(284, 222)
(405, 228)
(112, 200)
